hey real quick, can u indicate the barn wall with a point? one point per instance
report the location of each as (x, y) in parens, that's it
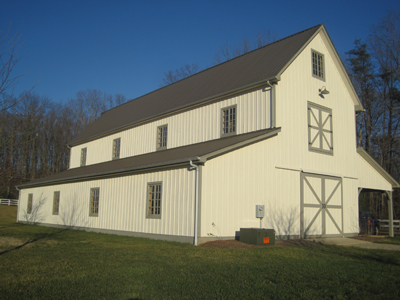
(122, 205)
(296, 89)
(269, 172)
(233, 184)
(194, 126)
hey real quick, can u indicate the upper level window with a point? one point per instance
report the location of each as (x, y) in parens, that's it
(116, 148)
(228, 117)
(318, 65)
(320, 134)
(162, 135)
(30, 200)
(83, 157)
(94, 202)
(56, 203)
(154, 200)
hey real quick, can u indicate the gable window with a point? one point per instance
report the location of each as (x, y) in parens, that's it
(94, 202)
(318, 65)
(154, 200)
(228, 118)
(30, 200)
(162, 135)
(320, 133)
(56, 203)
(83, 157)
(116, 148)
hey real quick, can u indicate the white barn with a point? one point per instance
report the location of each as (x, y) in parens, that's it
(189, 162)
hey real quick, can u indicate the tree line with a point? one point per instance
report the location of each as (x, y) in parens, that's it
(35, 132)
(374, 68)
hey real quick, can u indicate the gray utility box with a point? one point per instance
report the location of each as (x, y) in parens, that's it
(257, 236)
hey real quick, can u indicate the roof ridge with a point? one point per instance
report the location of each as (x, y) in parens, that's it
(217, 65)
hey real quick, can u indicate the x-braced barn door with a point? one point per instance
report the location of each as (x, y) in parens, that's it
(321, 208)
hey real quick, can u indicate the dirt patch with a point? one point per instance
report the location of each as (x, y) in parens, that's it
(234, 244)
(370, 238)
(10, 242)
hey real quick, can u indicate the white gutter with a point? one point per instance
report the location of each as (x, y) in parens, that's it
(196, 202)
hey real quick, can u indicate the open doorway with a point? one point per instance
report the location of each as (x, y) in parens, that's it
(374, 213)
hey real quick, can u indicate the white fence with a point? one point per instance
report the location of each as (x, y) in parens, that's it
(385, 223)
(9, 202)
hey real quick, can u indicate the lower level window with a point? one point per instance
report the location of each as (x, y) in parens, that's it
(154, 191)
(30, 200)
(94, 202)
(56, 203)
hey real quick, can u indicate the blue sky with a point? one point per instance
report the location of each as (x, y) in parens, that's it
(126, 46)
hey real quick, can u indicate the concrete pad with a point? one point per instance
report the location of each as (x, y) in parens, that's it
(341, 241)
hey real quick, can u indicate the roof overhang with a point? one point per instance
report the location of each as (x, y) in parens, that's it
(171, 158)
(377, 167)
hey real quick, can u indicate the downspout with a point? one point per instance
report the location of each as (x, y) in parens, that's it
(196, 202)
(69, 160)
(272, 105)
(19, 201)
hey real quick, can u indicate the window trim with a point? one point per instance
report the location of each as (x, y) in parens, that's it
(29, 204)
(91, 212)
(222, 131)
(83, 156)
(322, 136)
(148, 207)
(159, 138)
(116, 146)
(323, 77)
(56, 196)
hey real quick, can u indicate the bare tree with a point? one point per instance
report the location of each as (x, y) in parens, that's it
(384, 41)
(228, 51)
(178, 74)
(363, 78)
(225, 52)
(88, 105)
(9, 46)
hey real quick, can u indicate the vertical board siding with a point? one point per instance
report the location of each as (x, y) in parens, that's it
(122, 204)
(369, 177)
(296, 89)
(193, 126)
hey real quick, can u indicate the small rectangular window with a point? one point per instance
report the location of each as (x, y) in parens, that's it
(116, 148)
(83, 157)
(30, 200)
(228, 117)
(56, 203)
(154, 200)
(318, 65)
(94, 202)
(162, 136)
(320, 130)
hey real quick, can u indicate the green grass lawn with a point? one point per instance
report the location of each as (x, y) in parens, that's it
(39, 262)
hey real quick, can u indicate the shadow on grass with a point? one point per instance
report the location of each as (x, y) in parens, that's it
(37, 237)
(359, 254)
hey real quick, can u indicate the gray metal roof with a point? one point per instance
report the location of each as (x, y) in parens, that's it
(162, 158)
(248, 70)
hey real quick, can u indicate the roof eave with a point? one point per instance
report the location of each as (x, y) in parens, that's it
(118, 172)
(377, 167)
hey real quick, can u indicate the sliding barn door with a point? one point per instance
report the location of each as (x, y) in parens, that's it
(321, 207)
